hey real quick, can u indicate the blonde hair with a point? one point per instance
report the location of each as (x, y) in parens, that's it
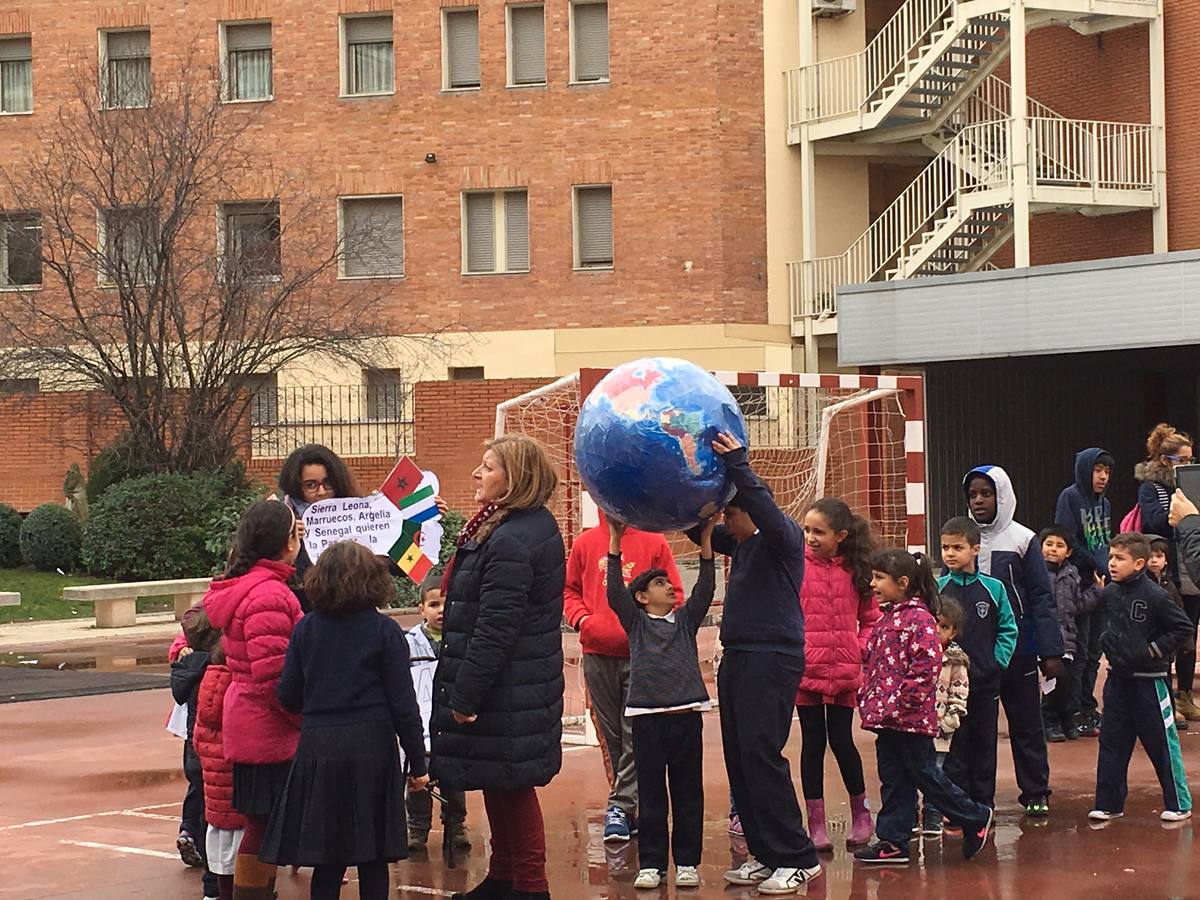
(1165, 440)
(531, 477)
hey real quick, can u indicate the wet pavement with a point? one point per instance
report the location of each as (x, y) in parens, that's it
(90, 788)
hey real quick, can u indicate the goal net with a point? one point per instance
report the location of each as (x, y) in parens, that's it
(810, 436)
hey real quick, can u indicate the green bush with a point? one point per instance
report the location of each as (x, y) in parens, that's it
(164, 526)
(49, 538)
(117, 462)
(10, 537)
(407, 592)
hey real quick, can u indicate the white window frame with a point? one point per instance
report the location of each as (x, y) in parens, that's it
(341, 226)
(224, 53)
(105, 100)
(447, 11)
(344, 56)
(21, 112)
(508, 47)
(223, 209)
(571, 43)
(499, 231)
(577, 264)
(8, 215)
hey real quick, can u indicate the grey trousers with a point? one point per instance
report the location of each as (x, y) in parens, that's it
(607, 680)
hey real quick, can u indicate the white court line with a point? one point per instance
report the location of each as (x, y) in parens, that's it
(36, 823)
(416, 889)
(133, 851)
(145, 815)
(577, 748)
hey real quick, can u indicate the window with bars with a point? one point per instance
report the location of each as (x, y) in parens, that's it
(373, 237)
(461, 48)
(593, 227)
(126, 69)
(526, 45)
(264, 399)
(16, 75)
(369, 61)
(248, 61)
(495, 232)
(20, 249)
(252, 240)
(130, 245)
(589, 41)
(385, 395)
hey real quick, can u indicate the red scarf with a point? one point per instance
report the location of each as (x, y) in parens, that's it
(469, 530)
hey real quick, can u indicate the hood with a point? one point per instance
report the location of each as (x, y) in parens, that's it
(1085, 462)
(1006, 497)
(1153, 470)
(226, 595)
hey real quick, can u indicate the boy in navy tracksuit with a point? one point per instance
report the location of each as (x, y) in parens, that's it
(1144, 629)
(1009, 551)
(762, 632)
(988, 636)
(1084, 510)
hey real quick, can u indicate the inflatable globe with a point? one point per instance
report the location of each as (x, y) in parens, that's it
(643, 443)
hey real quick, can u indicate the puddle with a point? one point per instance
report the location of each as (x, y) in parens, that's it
(118, 659)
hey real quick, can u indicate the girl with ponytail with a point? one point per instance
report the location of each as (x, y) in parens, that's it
(256, 611)
(898, 702)
(840, 611)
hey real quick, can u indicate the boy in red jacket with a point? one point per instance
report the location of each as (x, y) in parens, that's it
(606, 652)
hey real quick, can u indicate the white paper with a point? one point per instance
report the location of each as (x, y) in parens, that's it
(373, 521)
(1048, 685)
(177, 721)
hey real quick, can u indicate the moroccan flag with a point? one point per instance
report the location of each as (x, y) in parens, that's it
(403, 480)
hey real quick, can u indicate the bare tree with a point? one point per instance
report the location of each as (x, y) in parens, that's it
(179, 269)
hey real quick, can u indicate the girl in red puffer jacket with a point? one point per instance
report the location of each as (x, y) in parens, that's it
(839, 613)
(225, 824)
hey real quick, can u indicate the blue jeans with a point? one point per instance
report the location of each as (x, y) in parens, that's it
(930, 813)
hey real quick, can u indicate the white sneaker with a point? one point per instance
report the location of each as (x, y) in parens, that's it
(749, 872)
(1103, 815)
(686, 876)
(648, 879)
(1175, 815)
(788, 881)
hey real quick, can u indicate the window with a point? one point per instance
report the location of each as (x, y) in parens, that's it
(16, 75)
(593, 227)
(264, 399)
(496, 230)
(752, 399)
(526, 45)
(126, 68)
(130, 243)
(251, 240)
(369, 61)
(20, 386)
(385, 395)
(465, 373)
(247, 74)
(373, 237)
(589, 41)
(20, 250)
(461, 49)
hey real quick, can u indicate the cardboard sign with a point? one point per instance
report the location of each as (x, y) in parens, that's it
(373, 521)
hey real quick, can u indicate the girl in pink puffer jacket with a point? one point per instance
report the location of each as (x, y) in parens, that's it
(839, 612)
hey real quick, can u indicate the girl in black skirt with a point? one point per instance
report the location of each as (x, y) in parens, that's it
(347, 672)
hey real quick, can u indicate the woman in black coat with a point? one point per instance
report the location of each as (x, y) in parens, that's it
(498, 694)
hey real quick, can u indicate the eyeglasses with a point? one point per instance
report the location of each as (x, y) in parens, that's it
(314, 486)
(1178, 458)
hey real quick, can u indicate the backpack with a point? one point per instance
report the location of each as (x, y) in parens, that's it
(1132, 520)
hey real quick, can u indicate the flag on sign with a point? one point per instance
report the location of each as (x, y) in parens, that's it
(420, 505)
(414, 563)
(402, 481)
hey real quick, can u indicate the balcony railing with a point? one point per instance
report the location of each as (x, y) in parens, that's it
(352, 420)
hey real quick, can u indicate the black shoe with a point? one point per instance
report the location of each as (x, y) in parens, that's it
(1072, 733)
(1089, 727)
(418, 840)
(1038, 808)
(488, 889)
(459, 840)
(527, 895)
(882, 853)
(1054, 733)
(188, 851)
(974, 839)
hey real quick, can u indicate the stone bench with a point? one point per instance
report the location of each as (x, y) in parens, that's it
(116, 604)
(10, 598)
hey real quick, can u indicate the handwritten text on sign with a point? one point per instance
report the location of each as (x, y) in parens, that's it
(373, 521)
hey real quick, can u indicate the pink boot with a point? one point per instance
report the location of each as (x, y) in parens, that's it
(816, 825)
(861, 827)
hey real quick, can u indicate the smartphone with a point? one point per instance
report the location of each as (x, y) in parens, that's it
(1188, 480)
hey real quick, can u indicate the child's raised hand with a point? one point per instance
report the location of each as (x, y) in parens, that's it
(418, 783)
(616, 531)
(725, 443)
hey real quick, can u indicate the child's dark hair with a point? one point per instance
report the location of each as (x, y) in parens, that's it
(1159, 544)
(897, 564)
(961, 526)
(200, 632)
(1136, 544)
(858, 545)
(341, 482)
(262, 533)
(432, 582)
(348, 578)
(951, 610)
(641, 583)
(1059, 531)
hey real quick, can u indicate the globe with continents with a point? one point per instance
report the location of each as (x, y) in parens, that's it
(643, 443)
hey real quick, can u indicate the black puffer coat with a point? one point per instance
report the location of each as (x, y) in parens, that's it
(502, 659)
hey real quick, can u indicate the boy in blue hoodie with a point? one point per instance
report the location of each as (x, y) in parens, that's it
(1009, 551)
(1084, 510)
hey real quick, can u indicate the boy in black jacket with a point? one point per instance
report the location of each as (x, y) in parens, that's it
(762, 632)
(1144, 630)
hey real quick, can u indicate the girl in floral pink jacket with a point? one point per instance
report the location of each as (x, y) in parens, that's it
(898, 701)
